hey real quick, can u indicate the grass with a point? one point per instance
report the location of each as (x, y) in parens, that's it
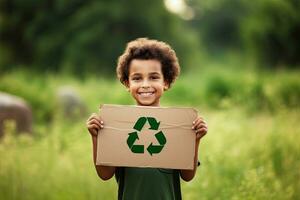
(249, 157)
(250, 152)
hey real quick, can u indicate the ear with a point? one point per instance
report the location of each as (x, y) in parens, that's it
(126, 83)
(166, 86)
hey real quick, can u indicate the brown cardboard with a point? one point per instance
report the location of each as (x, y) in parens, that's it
(177, 143)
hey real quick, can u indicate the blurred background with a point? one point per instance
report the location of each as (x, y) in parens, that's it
(240, 65)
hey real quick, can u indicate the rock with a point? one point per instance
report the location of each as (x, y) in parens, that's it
(16, 109)
(70, 102)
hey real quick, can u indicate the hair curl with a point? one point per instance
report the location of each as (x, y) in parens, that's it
(146, 49)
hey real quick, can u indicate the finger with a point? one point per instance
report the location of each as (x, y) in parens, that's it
(200, 125)
(198, 118)
(93, 126)
(201, 131)
(92, 116)
(95, 121)
(200, 121)
(199, 135)
(95, 116)
(197, 121)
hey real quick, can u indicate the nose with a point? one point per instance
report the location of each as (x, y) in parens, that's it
(145, 84)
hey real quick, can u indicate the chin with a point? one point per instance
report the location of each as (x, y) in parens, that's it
(143, 103)
(146, 104)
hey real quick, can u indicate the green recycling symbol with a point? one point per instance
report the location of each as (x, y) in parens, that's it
(152, 149)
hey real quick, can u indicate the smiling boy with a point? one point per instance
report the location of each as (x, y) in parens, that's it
(147, 68)
(146, 83)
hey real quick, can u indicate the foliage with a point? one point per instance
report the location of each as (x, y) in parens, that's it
(218, 23)
(212, 88)
(272, 32)
(83, 36)
(264, 30)
(88, 36)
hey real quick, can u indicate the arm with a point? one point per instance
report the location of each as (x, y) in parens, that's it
(94, 123)
(188, 175)
(200, 127)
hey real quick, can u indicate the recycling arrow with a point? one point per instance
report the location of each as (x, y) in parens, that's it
(133, 136)
(130, 141)
(161, 138)
(140, 123)
(154, 148)
(153, 123)
(157, 148)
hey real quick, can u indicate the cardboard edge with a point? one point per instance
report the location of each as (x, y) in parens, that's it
(142, 166)
(195, 111)
(147, 107)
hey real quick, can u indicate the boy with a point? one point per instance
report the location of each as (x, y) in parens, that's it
(147, 68)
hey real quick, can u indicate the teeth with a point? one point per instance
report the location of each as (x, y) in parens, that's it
(146, 94)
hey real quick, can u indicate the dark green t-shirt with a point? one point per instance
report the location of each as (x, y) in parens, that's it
(148, 183)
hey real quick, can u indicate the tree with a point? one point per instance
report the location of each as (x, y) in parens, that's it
(83, 35)
(266, 30)
(272, 32)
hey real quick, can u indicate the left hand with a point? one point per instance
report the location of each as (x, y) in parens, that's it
(200, 127)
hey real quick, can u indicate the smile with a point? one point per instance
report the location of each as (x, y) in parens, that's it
(145, 94)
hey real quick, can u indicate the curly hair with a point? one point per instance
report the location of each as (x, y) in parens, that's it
(146, 49)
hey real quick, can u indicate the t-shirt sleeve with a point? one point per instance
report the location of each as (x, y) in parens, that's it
(118, 173)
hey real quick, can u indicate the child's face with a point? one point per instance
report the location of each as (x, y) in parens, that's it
(146, 82)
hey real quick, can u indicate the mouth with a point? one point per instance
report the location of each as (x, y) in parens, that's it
(145, 94)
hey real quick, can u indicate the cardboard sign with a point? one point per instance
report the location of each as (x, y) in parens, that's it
(143, 136)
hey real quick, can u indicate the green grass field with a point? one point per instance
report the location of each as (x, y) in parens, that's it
(252, 149)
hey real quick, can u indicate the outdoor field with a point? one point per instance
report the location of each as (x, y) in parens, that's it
(250, 152)
(240, 68)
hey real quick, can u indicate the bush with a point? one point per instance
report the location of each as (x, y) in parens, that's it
(218, 90)
(288, 93)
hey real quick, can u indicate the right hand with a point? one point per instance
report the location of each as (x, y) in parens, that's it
(94, 124)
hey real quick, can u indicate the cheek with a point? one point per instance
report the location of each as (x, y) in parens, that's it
(159, 86)
(133, 88)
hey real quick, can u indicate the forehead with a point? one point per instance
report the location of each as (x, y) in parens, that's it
(138, 66)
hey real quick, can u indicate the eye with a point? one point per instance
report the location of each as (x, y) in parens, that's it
(136, 78)
(154, 77)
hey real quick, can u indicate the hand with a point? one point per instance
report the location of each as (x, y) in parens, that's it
(94, 124)
(200, 127)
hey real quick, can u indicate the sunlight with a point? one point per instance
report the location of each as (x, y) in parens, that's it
(181, 8)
